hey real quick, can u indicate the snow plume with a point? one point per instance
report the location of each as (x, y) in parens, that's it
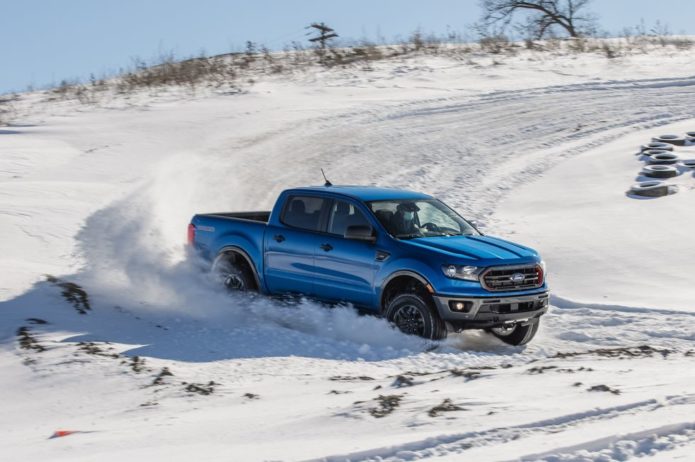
(136, 257)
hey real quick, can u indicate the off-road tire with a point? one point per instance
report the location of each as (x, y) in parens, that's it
(233, 275)
(415, 314)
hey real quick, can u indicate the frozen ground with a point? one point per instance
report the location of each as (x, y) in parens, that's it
(541, 150)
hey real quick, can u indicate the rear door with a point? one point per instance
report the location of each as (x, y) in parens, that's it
(290, 247)
(345, 268)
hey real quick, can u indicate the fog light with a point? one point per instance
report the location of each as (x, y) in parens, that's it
(461, 307)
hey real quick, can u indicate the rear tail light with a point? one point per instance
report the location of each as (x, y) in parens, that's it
(191, 233)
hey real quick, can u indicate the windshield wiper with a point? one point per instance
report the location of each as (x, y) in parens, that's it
(413, 235)
(408, 236)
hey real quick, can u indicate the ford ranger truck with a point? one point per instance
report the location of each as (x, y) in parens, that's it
(400, 254)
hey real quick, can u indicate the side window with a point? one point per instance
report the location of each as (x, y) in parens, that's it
(384, 212)
(344, 214)
(303, 212)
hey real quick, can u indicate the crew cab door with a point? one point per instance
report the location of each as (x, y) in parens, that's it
(291, 245)
(345, 268)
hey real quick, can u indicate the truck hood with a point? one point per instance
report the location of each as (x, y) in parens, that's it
(475, 247)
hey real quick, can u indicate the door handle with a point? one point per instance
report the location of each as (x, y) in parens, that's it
(279, 237)
(327, 247)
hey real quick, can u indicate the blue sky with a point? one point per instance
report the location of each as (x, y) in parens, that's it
(45, 41)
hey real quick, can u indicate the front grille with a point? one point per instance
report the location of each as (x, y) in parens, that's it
(512, 278)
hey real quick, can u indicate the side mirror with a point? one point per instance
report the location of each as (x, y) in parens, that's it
(360, 233)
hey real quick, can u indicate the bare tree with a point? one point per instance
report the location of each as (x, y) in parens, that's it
(542, 15)
(324, 32)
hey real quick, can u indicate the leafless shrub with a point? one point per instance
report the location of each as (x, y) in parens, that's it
(609, 50)
(530, 44)
(416, 40)
(267, 56)
(84, 95)
(65, 89)
(495, 44)
(369, 52)
(213, 71)
(7, 109)
(578, 45)
(641, 38)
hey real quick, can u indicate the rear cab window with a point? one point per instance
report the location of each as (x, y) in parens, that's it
(303, 212)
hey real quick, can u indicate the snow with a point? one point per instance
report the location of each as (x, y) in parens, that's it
(538, 147)
(632, 252)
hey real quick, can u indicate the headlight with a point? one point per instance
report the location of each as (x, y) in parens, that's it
(468, 273)
(543, 273)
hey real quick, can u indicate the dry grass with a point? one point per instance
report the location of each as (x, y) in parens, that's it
(7, 109)
(233, 71)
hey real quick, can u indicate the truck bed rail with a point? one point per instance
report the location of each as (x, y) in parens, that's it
(262, 216)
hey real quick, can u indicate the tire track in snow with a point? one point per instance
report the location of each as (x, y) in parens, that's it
(622, 447)
(455, 444)
(484, 145)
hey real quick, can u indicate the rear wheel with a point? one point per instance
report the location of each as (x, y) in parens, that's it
(413, 314)
(233, 273)
(518, 334)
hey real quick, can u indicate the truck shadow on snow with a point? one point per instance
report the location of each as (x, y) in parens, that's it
(212, 325)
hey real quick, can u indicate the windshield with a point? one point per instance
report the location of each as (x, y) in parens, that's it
(407, 219)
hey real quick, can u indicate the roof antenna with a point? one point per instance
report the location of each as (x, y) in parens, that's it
(327, 183)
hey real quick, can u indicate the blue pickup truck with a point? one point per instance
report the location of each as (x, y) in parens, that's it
(401, 254)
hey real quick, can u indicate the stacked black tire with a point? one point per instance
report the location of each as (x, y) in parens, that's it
(662, 162)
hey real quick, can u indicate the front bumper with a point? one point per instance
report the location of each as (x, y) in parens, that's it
(482, 312)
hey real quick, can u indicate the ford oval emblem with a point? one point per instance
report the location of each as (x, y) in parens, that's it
(517, 278)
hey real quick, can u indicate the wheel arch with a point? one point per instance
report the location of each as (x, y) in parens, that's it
(398, 279)
(238, 251)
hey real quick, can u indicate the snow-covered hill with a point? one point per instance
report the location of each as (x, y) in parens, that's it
(129, 344)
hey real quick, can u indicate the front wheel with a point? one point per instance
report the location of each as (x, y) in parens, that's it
(412, 314)
(518, 334)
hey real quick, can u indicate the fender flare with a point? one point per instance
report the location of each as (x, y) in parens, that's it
(413, 274)
(239, 251)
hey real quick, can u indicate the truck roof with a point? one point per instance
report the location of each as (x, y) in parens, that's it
(365, 193)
